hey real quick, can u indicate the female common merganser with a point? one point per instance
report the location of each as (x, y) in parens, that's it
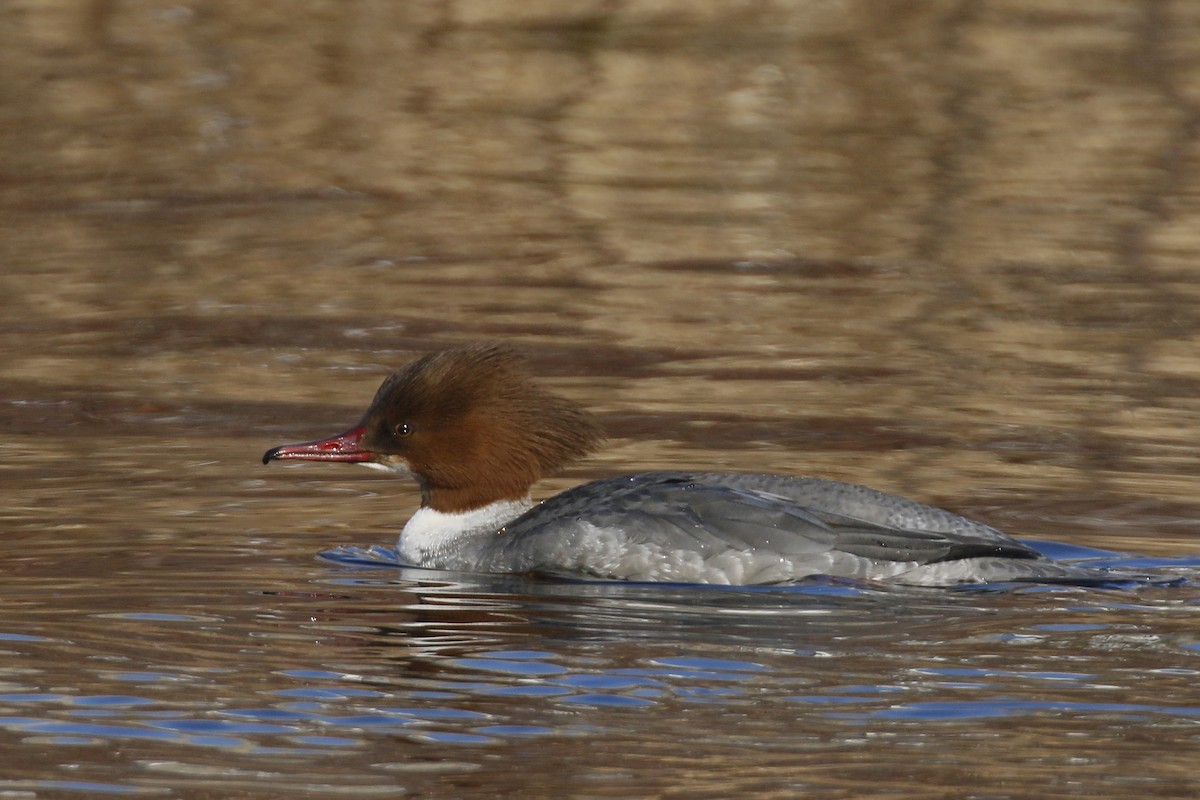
(476, 433)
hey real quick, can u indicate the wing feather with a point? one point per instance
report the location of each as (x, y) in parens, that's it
(711, 513)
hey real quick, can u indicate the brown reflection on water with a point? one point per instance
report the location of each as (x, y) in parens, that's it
(937, 249)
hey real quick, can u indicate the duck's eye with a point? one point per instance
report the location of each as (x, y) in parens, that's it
(403, 429)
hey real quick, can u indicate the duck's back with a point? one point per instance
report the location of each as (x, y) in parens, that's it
(748, 528)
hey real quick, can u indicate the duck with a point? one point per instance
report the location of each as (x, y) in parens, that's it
(476, 431)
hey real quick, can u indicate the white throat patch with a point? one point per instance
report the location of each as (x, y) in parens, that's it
(443, 540)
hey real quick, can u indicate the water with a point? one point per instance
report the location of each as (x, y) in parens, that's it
(944, 249)
(360, 681)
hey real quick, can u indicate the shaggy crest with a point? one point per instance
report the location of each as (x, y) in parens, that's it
(474, 428)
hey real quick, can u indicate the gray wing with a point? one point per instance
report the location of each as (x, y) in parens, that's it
(712, 513)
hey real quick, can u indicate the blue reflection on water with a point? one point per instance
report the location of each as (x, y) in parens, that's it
(476, 660)
(1002, 708)
(91, 787)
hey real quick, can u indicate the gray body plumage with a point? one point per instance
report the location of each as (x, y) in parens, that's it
(752, 528)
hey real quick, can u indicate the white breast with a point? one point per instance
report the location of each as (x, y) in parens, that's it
(443, 540)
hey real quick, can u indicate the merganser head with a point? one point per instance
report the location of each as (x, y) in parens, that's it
(469, 424)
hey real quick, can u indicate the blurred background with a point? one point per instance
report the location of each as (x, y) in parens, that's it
(945, 248)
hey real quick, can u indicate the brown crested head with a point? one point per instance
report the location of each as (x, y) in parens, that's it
(473, 427)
